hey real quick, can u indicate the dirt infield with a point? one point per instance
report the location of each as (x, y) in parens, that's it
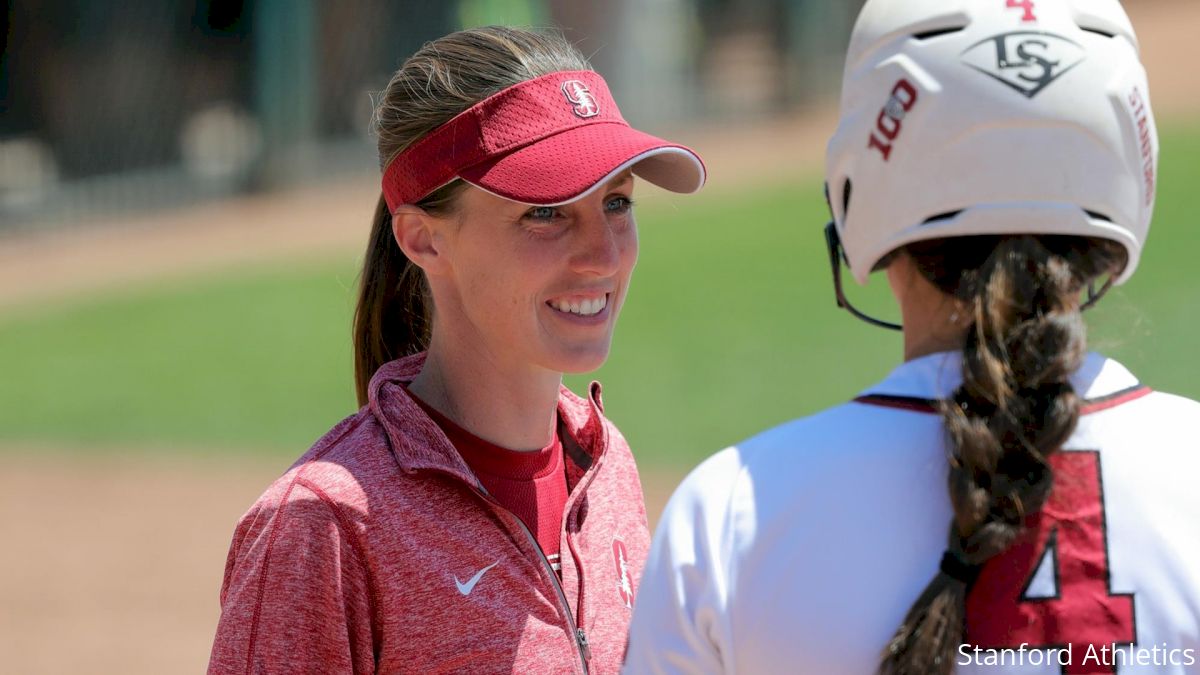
(113, 564)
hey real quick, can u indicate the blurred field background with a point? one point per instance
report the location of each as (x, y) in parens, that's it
(174, 329)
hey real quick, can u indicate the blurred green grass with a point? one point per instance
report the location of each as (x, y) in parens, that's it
(730, 327)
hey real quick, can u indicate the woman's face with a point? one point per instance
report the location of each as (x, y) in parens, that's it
(536, 285)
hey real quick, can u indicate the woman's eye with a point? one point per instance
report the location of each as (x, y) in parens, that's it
(541, 213)
(618, 204)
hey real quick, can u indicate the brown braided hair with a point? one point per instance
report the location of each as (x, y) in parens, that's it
(1015, 407)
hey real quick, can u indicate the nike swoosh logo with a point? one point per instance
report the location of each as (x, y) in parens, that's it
(466, 588)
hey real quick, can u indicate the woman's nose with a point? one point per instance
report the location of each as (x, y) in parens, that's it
(599, 247)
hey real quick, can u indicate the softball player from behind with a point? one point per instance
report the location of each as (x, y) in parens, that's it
(1003, 501)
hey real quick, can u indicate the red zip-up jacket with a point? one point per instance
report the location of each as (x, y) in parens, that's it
(379, 551)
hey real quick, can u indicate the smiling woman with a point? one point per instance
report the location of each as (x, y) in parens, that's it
(475, 515)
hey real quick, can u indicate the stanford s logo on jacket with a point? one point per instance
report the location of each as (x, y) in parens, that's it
(624, 586)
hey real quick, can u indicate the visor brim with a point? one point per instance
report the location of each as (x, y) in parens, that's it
(567, 166)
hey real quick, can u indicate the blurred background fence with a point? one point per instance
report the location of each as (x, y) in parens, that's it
(108, 107)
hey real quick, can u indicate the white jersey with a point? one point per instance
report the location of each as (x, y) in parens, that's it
(802, 549)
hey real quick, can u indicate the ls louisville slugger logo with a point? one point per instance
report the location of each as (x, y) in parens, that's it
(1026, 61)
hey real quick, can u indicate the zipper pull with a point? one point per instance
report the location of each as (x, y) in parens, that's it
(583, 644)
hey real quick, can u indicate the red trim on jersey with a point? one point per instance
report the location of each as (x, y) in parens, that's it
(910, 403)
(1114, 400)
(929, 406)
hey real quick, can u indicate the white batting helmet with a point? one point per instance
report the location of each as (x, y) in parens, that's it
(967, 117)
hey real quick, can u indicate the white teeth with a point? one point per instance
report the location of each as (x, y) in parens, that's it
(582, 308)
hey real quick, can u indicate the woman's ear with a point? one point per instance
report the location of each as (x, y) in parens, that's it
(415, 231)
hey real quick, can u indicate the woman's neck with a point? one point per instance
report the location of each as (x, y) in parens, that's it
(514, 407)
(933, 322)
(916, 346)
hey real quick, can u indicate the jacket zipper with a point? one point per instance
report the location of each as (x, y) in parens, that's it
(581, 641)
(584, 482)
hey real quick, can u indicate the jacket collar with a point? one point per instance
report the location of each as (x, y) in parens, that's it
(418, 444)
(936, 376)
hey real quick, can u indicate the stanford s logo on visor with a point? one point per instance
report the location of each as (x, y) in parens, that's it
(1027, 61)
(585, 104)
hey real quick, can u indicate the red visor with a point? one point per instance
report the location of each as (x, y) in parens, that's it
(546, 141)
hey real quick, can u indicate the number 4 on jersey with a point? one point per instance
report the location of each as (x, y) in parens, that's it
(1067, 537)
(1026, 5)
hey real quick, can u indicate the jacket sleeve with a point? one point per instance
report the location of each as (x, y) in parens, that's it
(681, 619)
(296, 596)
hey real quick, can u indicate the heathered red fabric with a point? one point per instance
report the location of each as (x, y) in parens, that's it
(533, 485)
(353, 561)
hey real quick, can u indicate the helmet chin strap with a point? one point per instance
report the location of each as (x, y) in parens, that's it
(836, 258)
(1093, 295)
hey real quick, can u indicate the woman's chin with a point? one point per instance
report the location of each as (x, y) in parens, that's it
(581, 360)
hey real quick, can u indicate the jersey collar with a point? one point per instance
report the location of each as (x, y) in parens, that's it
(936, 376)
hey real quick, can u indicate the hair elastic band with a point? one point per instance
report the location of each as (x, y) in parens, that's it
(958, 569)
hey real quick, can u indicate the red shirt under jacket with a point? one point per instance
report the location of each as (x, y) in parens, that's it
(533, 485)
